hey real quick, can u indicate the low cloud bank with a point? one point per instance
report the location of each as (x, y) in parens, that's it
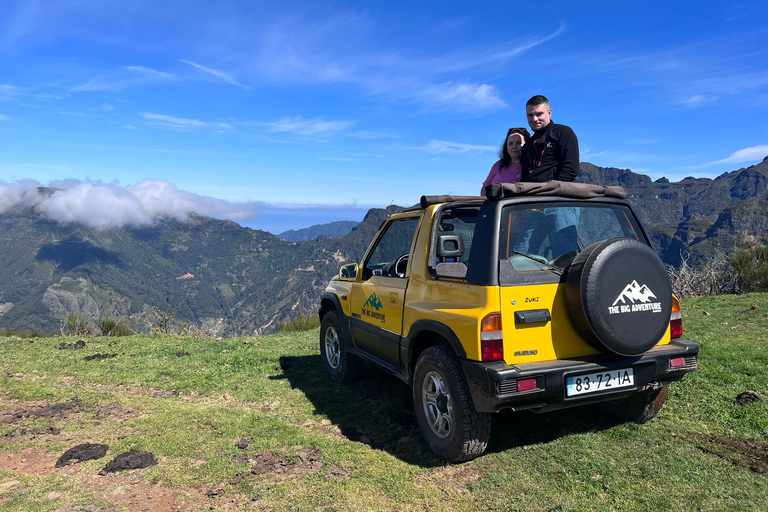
(104, 206)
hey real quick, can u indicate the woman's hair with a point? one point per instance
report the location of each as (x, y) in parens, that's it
(503, 153)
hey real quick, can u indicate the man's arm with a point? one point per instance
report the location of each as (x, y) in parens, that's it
(568, 160)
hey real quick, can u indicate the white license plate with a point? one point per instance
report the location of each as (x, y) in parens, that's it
(599, 381)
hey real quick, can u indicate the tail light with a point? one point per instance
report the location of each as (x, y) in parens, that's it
(491, 338)
(676, 320)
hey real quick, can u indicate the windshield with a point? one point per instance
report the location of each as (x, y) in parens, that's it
(548, 237)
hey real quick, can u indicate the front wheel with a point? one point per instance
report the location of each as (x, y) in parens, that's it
(340, 365)
(447, 419)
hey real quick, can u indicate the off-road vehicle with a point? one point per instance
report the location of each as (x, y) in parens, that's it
(538, 297)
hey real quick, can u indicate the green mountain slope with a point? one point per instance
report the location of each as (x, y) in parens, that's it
(228, 280)
(215, 274)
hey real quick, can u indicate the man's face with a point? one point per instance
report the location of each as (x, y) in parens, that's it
(538, 116)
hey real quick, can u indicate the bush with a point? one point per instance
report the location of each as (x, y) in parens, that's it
(111, 327)
(305, 321)
(714, 277)
(751, 269)
(79, 325)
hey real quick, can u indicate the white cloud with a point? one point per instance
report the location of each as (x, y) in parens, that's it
(166, 121)
(373, 134)
(9, 92)
(317, 127)
(4, 117)
(104, 206)
(127, 76)
(215, 73)
(699, 100)
(463, 97)
(444, 146)
(745, 155)
(106, 107)
(149, 71)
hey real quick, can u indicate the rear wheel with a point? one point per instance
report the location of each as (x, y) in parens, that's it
(447, 419)
(340, 365)
(641, 407)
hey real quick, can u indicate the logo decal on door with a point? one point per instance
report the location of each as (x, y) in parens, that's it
(374, 303)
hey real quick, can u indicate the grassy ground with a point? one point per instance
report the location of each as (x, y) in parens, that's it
(318, 445)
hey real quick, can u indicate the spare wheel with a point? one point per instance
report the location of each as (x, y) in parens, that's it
(619, 296)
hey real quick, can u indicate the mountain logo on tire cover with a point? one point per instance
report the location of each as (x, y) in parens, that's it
(634, 298)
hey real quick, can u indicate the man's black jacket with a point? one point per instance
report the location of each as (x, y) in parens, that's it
(552, 153)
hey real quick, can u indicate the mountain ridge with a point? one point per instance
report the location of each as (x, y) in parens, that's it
(245, 281)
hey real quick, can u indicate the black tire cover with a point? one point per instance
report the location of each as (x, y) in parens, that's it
(619, 296)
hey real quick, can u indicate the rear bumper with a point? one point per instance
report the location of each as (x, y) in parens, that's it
(493, 386)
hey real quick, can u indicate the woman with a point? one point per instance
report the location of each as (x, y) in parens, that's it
(508, 169)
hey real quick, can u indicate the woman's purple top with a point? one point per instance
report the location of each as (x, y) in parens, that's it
(509, 174)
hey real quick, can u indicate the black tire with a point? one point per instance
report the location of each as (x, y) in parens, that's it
(340, 365)
(619, 296)
(447, 419)
(641, 407)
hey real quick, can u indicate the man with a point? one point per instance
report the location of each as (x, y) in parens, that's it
(552, 153)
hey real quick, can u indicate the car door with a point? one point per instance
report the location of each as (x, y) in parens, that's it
(377, 300)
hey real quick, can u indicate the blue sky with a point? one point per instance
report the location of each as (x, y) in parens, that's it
(306, 112)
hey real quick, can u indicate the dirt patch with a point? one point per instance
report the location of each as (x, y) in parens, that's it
(133, 459)
(748, 397)
(122, 491)
(78, 345)
(182, 354)
(39, 431)
(167, 394)
(33, 410)
(85, 508)
(97, 356)
(747, 453)
(81, 453)
(453, 481)
(305, 461)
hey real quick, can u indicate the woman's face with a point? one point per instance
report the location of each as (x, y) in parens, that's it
(515, 143)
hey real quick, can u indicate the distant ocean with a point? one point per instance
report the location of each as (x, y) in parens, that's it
(277, 219)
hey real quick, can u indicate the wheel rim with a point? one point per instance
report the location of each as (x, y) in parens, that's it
(332, 347)
(438, 404)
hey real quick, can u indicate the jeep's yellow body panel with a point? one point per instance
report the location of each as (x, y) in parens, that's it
(461, 307)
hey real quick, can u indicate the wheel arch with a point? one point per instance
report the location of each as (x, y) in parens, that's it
(428, 333)
(329, 302)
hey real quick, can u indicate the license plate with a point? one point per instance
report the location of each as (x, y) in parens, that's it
(599, 381)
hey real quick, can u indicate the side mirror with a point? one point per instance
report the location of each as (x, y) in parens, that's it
(348, 272)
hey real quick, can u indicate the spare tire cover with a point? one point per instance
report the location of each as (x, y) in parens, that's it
(619, 296)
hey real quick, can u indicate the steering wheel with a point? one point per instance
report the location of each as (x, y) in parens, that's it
(398, 267)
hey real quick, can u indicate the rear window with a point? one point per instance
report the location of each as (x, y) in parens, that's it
(453, 238)
(547, 237)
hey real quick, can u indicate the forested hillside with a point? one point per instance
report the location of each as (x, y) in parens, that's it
(221, 278)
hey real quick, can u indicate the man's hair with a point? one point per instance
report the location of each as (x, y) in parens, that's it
(504, 156)
(537, 100)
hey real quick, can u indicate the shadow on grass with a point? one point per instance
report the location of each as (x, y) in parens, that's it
(377, 410)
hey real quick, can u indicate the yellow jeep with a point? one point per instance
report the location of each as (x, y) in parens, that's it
(538, 297)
